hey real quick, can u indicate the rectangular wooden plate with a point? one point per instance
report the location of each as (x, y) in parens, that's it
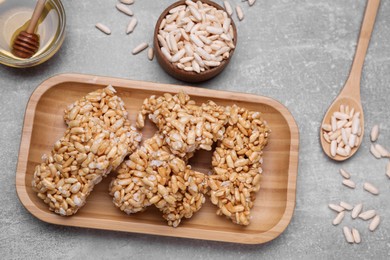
(275, 202)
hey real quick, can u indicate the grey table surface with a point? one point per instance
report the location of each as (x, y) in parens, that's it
(297, 52)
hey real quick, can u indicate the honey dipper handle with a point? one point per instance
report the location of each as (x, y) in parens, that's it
(35, 16)
(364, 40)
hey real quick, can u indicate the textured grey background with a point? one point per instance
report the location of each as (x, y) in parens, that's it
(297, 52)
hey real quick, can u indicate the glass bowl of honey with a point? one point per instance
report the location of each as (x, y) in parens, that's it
(14, 18)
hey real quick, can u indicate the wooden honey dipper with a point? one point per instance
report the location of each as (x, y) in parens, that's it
(26, 44)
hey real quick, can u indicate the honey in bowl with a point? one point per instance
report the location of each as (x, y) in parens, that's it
(14, 18)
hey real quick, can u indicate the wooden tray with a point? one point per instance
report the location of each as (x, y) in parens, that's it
(274, 206)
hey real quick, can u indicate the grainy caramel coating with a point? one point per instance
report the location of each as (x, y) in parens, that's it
(185, 126)
(96, 141)
(237, 164)
(139, 176)
(153, 175)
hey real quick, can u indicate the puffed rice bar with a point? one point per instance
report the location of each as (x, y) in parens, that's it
(237, 164)
(96, 141)
(185, 126)
(153, 175)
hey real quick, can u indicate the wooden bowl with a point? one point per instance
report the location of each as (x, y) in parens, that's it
(189, 76)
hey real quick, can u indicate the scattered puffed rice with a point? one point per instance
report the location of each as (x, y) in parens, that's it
(382, 151)
(140, 48)
(366, 215)
(127, 2)
(348, 234)
(150, 54)
(356, 210)
(356, 236)
(336, 207)
(337, 220)
(374, 133)
(374, 223)
(371, 188)
(240, 13)
(130, 28)
(375, 152)
(346, 206)
(103, 28)
(345, 174)
(349, 184)
(124, 9)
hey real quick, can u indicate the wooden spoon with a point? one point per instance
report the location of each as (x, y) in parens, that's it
(350, 94)
(26, 43)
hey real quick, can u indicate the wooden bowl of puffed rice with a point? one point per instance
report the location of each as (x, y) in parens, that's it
(194, 40)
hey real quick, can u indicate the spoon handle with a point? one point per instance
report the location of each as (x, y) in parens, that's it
(362, 46)
(35, 16)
